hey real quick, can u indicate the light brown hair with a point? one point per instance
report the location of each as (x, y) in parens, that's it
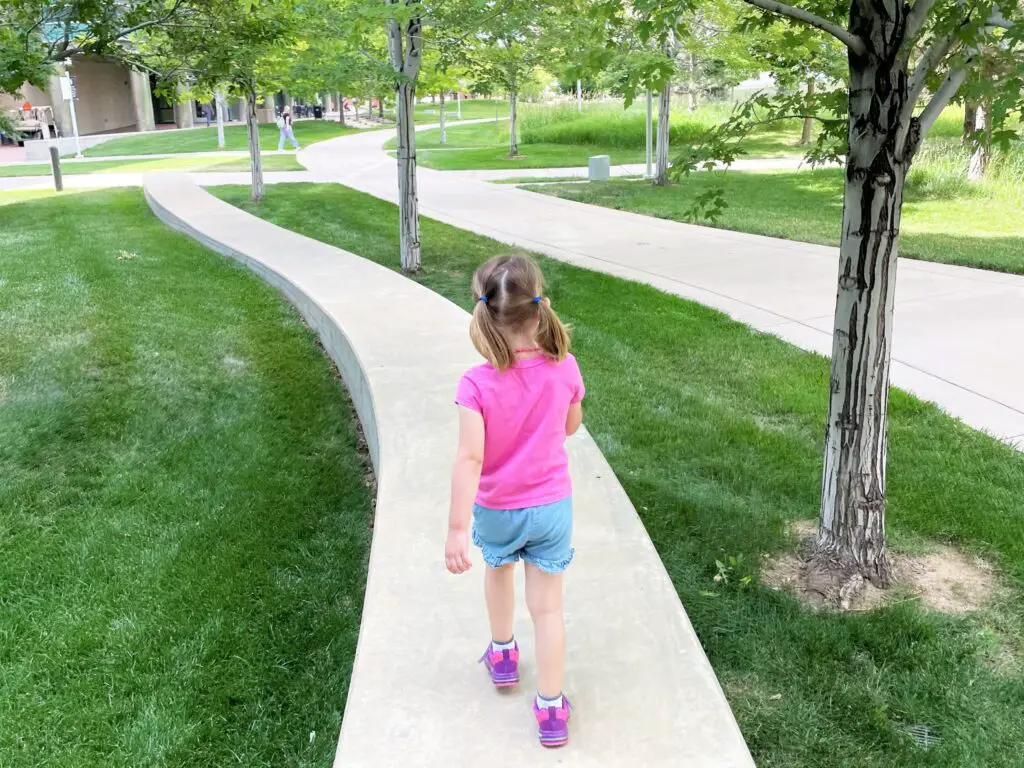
(509, 295)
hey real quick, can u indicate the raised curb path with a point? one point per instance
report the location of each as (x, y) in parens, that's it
(957, 330)
(644, 692)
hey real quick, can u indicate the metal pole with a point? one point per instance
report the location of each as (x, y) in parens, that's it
(58, 178)
(649, 131)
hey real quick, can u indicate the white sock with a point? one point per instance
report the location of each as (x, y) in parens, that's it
(504, 646)
(543, 703)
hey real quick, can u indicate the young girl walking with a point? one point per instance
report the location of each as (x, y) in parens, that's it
(511, 474)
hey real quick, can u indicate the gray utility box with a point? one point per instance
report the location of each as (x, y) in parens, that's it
(600, 168)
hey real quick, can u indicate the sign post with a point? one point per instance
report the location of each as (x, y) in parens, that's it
(68, 91)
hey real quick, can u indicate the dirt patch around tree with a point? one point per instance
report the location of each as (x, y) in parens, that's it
(945, 580)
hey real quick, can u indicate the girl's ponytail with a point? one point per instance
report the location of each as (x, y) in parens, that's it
(508, 293)
(552, 335)
(488, 338)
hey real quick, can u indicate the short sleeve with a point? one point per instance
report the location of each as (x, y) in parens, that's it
(468, 394)
(579, 389)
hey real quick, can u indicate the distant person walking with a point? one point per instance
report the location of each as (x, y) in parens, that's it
(207, 114)
(284, 126)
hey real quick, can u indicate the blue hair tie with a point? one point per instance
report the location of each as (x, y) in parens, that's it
(536, 299)
(483, 299)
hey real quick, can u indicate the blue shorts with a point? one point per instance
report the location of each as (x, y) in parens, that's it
(539, 535)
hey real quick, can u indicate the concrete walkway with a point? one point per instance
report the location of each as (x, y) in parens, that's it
(955, 327)
(643, 690)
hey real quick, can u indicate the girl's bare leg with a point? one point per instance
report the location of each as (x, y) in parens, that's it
(544, 599)
(499, 591)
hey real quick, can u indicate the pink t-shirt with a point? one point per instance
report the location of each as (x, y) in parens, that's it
(525, 410)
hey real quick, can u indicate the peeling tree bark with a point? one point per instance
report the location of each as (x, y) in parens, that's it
(513, 126)
(807, 133)
(255, 160)
(982, 153)
(444, 127)
(851, 534)
(218, 100)
(661, 143)
(405, 48)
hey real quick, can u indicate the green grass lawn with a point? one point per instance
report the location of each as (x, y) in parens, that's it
(197, 164)
(184, 520)
(485, 146)
(472, 109)
(492, 134)
(938, 225)
(715, 432)
(530, 156)
(205, 139)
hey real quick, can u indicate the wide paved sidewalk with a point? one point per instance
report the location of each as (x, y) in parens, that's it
(956, 329)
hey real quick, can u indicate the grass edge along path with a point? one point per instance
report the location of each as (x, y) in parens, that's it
(184, 517)
(715, 432)
(185, 162)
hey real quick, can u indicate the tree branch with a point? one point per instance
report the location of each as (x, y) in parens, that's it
(917, 17)
(929, 61)
(943, 96)
(998, 20)
(845, 36)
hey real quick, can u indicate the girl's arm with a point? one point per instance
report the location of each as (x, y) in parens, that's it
(572, 423)
(465, 480)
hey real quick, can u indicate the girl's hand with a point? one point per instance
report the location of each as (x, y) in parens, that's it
(456, 552)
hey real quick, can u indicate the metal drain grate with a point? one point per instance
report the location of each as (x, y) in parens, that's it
(923, 735)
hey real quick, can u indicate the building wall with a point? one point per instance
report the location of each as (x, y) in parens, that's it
(29, 93)
(104, 101)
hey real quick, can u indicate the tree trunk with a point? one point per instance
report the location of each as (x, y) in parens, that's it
(661, 143)
(970, 121)
(218, 100)
(255, 160)
(808, 130)
(981, 139)
(405, 48)
(851, 534)
(380, 108)
(513, 124)
(407, 197)
(369, 108)
(341, 108)
(444, 129)
(691, 84)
